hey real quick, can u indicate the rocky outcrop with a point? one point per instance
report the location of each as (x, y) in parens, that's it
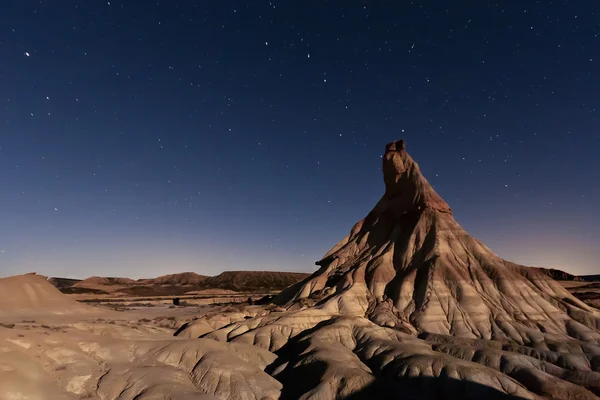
(410, 265)
(178, 284)
(410, 305)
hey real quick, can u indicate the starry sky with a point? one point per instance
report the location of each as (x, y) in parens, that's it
(144, 138)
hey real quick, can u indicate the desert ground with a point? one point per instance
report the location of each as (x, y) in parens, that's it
(408, 305)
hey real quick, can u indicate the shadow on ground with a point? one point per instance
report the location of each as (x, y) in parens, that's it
(429, 388)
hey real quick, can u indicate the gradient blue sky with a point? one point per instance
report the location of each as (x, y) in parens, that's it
(208, 136)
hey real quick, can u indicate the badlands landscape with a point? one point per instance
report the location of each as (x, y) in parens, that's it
(407, 306)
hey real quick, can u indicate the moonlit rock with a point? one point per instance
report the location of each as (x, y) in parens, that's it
(409, 303)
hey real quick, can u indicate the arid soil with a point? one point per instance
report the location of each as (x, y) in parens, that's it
(408, 305)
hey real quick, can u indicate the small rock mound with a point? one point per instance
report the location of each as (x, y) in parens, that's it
(33, 294)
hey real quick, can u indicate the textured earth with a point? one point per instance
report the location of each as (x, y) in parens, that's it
(408, 305)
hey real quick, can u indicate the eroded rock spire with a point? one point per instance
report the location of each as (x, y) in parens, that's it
(404, 183)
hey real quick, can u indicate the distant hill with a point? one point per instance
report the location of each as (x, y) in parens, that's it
(559, 275)
(155, 290)
(101, 280)
(590, 278)
(81, 290)
(178, 284)
(63, 283)
(185, 278)
(244, 281)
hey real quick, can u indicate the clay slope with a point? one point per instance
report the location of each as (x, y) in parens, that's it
(409, 305)
(32, 294)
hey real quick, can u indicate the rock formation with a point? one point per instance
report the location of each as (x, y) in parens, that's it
(410, 265)
(559, 275)
(410, 305)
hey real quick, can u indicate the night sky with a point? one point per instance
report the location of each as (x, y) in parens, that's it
(144, 138)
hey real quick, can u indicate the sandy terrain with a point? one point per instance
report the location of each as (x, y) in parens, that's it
(55, 348)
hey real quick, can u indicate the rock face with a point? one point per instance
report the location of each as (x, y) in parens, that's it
(590, 278)
(63, 283)
(102, 280)
(409, 305)
(410, 265)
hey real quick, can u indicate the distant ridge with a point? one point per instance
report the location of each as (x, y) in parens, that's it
(184, 278)
(176, 284)
(253, 280)
(62, 283)
(559, 275)
(101, 280)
